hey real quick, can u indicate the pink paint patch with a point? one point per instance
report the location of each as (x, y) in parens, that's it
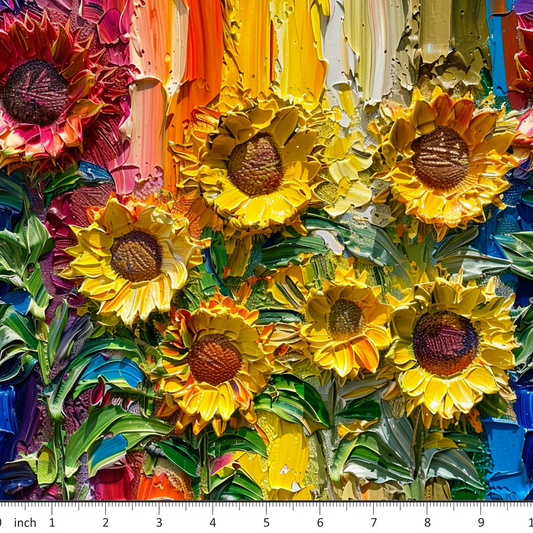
(221, 462)
(113, 483)
(152, 184)
(109, 27)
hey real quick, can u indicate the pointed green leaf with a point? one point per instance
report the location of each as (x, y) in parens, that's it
(182, 454)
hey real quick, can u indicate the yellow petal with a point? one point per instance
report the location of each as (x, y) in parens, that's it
(424, 117)
(434, 393)
(402, 134)
(500, 358)
(412, 379)
(482, 380)
(480, 126)
(209, 404)
(117, 219)
(366, 353)
(461, 394)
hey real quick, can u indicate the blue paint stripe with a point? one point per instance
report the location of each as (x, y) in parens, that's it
(508, 479)
(8, 423)
(499, 79)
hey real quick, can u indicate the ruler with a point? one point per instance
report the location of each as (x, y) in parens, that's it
(290, 517)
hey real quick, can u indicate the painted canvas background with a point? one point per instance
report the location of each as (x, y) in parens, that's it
(266, 249)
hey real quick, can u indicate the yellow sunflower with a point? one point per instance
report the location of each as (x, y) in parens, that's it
(133, 259)
(347, 325)
(215, 362)
(452, 344)
(448, 160)
(255, 163)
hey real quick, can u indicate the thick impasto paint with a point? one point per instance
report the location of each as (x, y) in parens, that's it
(266, 249)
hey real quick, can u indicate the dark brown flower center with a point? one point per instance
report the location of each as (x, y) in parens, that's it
(136, 256)
(445, 343)
(255, 166)
(345, 320)
(441, 159)
(35, 93)
(213, 359)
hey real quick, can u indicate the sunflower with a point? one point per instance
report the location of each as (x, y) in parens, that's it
(215, 362)
(448, 160)
(253, 162)
(48, 89)
(347, 325)
(452, 344)
(133, 259)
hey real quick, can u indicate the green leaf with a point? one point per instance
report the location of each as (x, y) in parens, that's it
(20, 251)
(342, 453)
(451, 464)
(110, 419)
(63, 384)
(295, 401)
(474, 263)
(36, 238)
(524, 336)
(518, 249)
(494, 405)
(219, 256)
(46, 466)
(309, 394)
(182, 454)
(286, 252)
(382, 453)
(285, 316)
(238, 487)
(456, 242)
(17, 341)
(66, 380)
(56, 329)
(364, 241)
(467, 443)
(96, 346)
(136, 428)
(243, 439)
(96, 424)
(362, 409)
(10, 191)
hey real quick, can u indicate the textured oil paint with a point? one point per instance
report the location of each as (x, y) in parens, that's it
(266, 250)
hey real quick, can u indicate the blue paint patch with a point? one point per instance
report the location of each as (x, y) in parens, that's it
(523, 6)
(113, 371)
(109, 449)
(499, 79)
(485, 241)
(508, 479)
(14, 477)
(208, 263)
(8, 423)
(527, 455)
(524, 407)
(93, 172)
(20, 300)
(13, 5)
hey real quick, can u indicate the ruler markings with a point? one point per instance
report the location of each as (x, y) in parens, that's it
(300, 503)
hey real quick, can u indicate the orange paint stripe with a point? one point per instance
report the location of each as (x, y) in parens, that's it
(510, 47)
(202, 78)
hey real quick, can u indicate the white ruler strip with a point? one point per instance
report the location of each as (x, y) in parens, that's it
(248, 517)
